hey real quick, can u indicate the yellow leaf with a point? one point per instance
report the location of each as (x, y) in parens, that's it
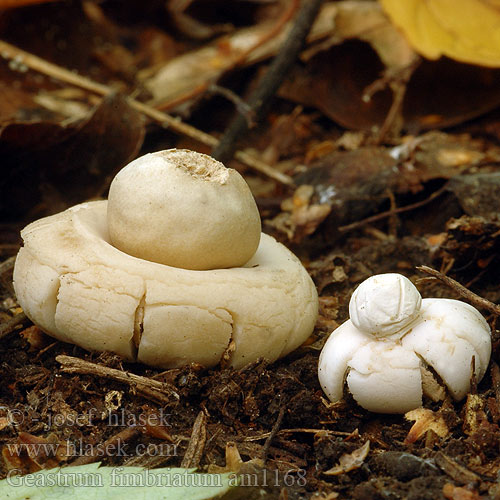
(465, 30)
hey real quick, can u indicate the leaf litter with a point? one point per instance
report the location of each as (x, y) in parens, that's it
(362, 202)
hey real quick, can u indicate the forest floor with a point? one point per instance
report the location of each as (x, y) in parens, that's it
(354, 186)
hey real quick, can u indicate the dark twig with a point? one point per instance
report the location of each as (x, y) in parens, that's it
(474, 299)
(390, 213)
(272, 434)
(271, 81)
(10, 325)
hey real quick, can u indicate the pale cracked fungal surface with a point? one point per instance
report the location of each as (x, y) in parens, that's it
(79, 288)
(397, 347)
(184, 209)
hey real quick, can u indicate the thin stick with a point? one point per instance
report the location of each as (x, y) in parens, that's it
(389, 213)
(8, 51)
(265, 435)
(10, 325)
(159, 390)
(271, 81)
(272, 434)
(111, 447)
(398, 94)
(263, 168)
(196, 444)
(474, 299)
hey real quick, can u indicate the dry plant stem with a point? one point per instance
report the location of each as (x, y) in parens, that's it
(454, 470)
(10, 325)
(265, 435)
(398, 83)
(390, 213)
(109, 447)
(8, 51)
(196, 444)
(474, 299)
(395, 112)
(272, 434)
(393, 219)
(276, 73)
(155, 389)
(263, 168)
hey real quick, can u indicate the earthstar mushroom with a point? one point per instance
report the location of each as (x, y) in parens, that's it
(384, 351)
(78, 287)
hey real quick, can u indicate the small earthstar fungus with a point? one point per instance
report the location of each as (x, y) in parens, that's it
(397, 345)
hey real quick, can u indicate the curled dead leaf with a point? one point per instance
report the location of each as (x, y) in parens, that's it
(350, 461)
(425, 420)
(300, 216)
(234, 462)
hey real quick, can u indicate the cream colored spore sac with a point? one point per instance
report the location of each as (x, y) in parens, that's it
(183, 209)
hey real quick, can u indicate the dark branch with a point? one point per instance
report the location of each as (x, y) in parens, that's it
(474, 299)
(271, 81)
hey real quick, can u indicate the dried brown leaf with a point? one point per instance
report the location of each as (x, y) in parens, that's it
(12, 4)
(61, 165)
(187, 74)
(300, 217)
(31, 453)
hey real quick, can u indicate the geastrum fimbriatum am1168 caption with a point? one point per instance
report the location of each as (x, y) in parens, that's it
(172, 269)
(386, 351)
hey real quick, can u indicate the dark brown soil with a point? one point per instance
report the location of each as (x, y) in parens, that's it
(361, 204)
